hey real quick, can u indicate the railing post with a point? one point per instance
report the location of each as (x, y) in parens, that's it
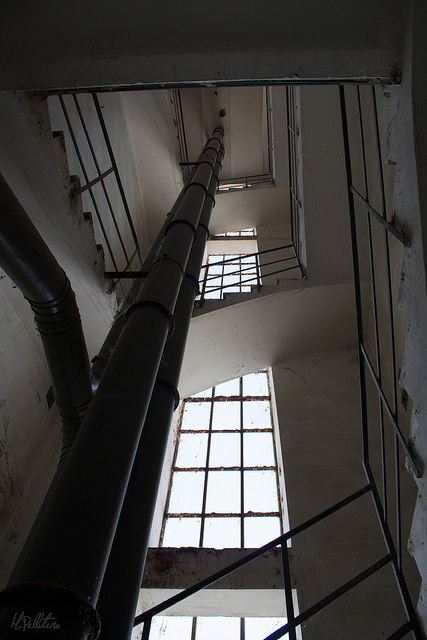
(205, 278)
(146, 630)
(290, 613)
(258, 272)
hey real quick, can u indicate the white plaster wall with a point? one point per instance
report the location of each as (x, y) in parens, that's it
(30, 164)
(30, 434)
(231, 245)
(257, 206)
(25, 381)
(407, 149)
(244, 122)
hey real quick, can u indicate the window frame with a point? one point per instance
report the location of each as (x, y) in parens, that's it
(212, 399)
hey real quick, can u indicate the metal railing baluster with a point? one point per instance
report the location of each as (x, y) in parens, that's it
(100, 177)
(102, 210)
(258, 268)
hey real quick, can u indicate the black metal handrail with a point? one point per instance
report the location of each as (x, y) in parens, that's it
(280, 540)
(411, 624)
(256, 266)
(245, 182)
(292, 621)
(103, 208)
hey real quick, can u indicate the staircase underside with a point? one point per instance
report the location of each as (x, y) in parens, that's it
(296, 319)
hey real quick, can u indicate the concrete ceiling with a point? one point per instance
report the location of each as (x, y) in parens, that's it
(45, 45)
(242, 113)
(250, 208)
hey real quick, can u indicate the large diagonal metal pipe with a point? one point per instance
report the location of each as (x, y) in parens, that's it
(64, 565)
(122, 581)
(28, 261)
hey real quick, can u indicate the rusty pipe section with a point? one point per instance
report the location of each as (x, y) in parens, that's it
(28, 261)
(70, 546)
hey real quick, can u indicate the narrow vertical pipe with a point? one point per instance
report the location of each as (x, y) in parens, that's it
(70, 546)
(155, 248)
(120, 588)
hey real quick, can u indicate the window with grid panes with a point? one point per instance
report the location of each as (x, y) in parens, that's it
(241, 233)
(213, 628)
(224, 491)
(228, 273)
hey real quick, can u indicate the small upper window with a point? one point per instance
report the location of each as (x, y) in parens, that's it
(240, 233)
(227, 273)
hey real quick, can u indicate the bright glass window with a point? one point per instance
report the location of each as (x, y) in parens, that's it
(240, 233)
(227, 273)
(224, 493)
(213, 628)
(224, 478)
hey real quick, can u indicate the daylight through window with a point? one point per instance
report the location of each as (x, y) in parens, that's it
(228, 273)
(224, 491)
